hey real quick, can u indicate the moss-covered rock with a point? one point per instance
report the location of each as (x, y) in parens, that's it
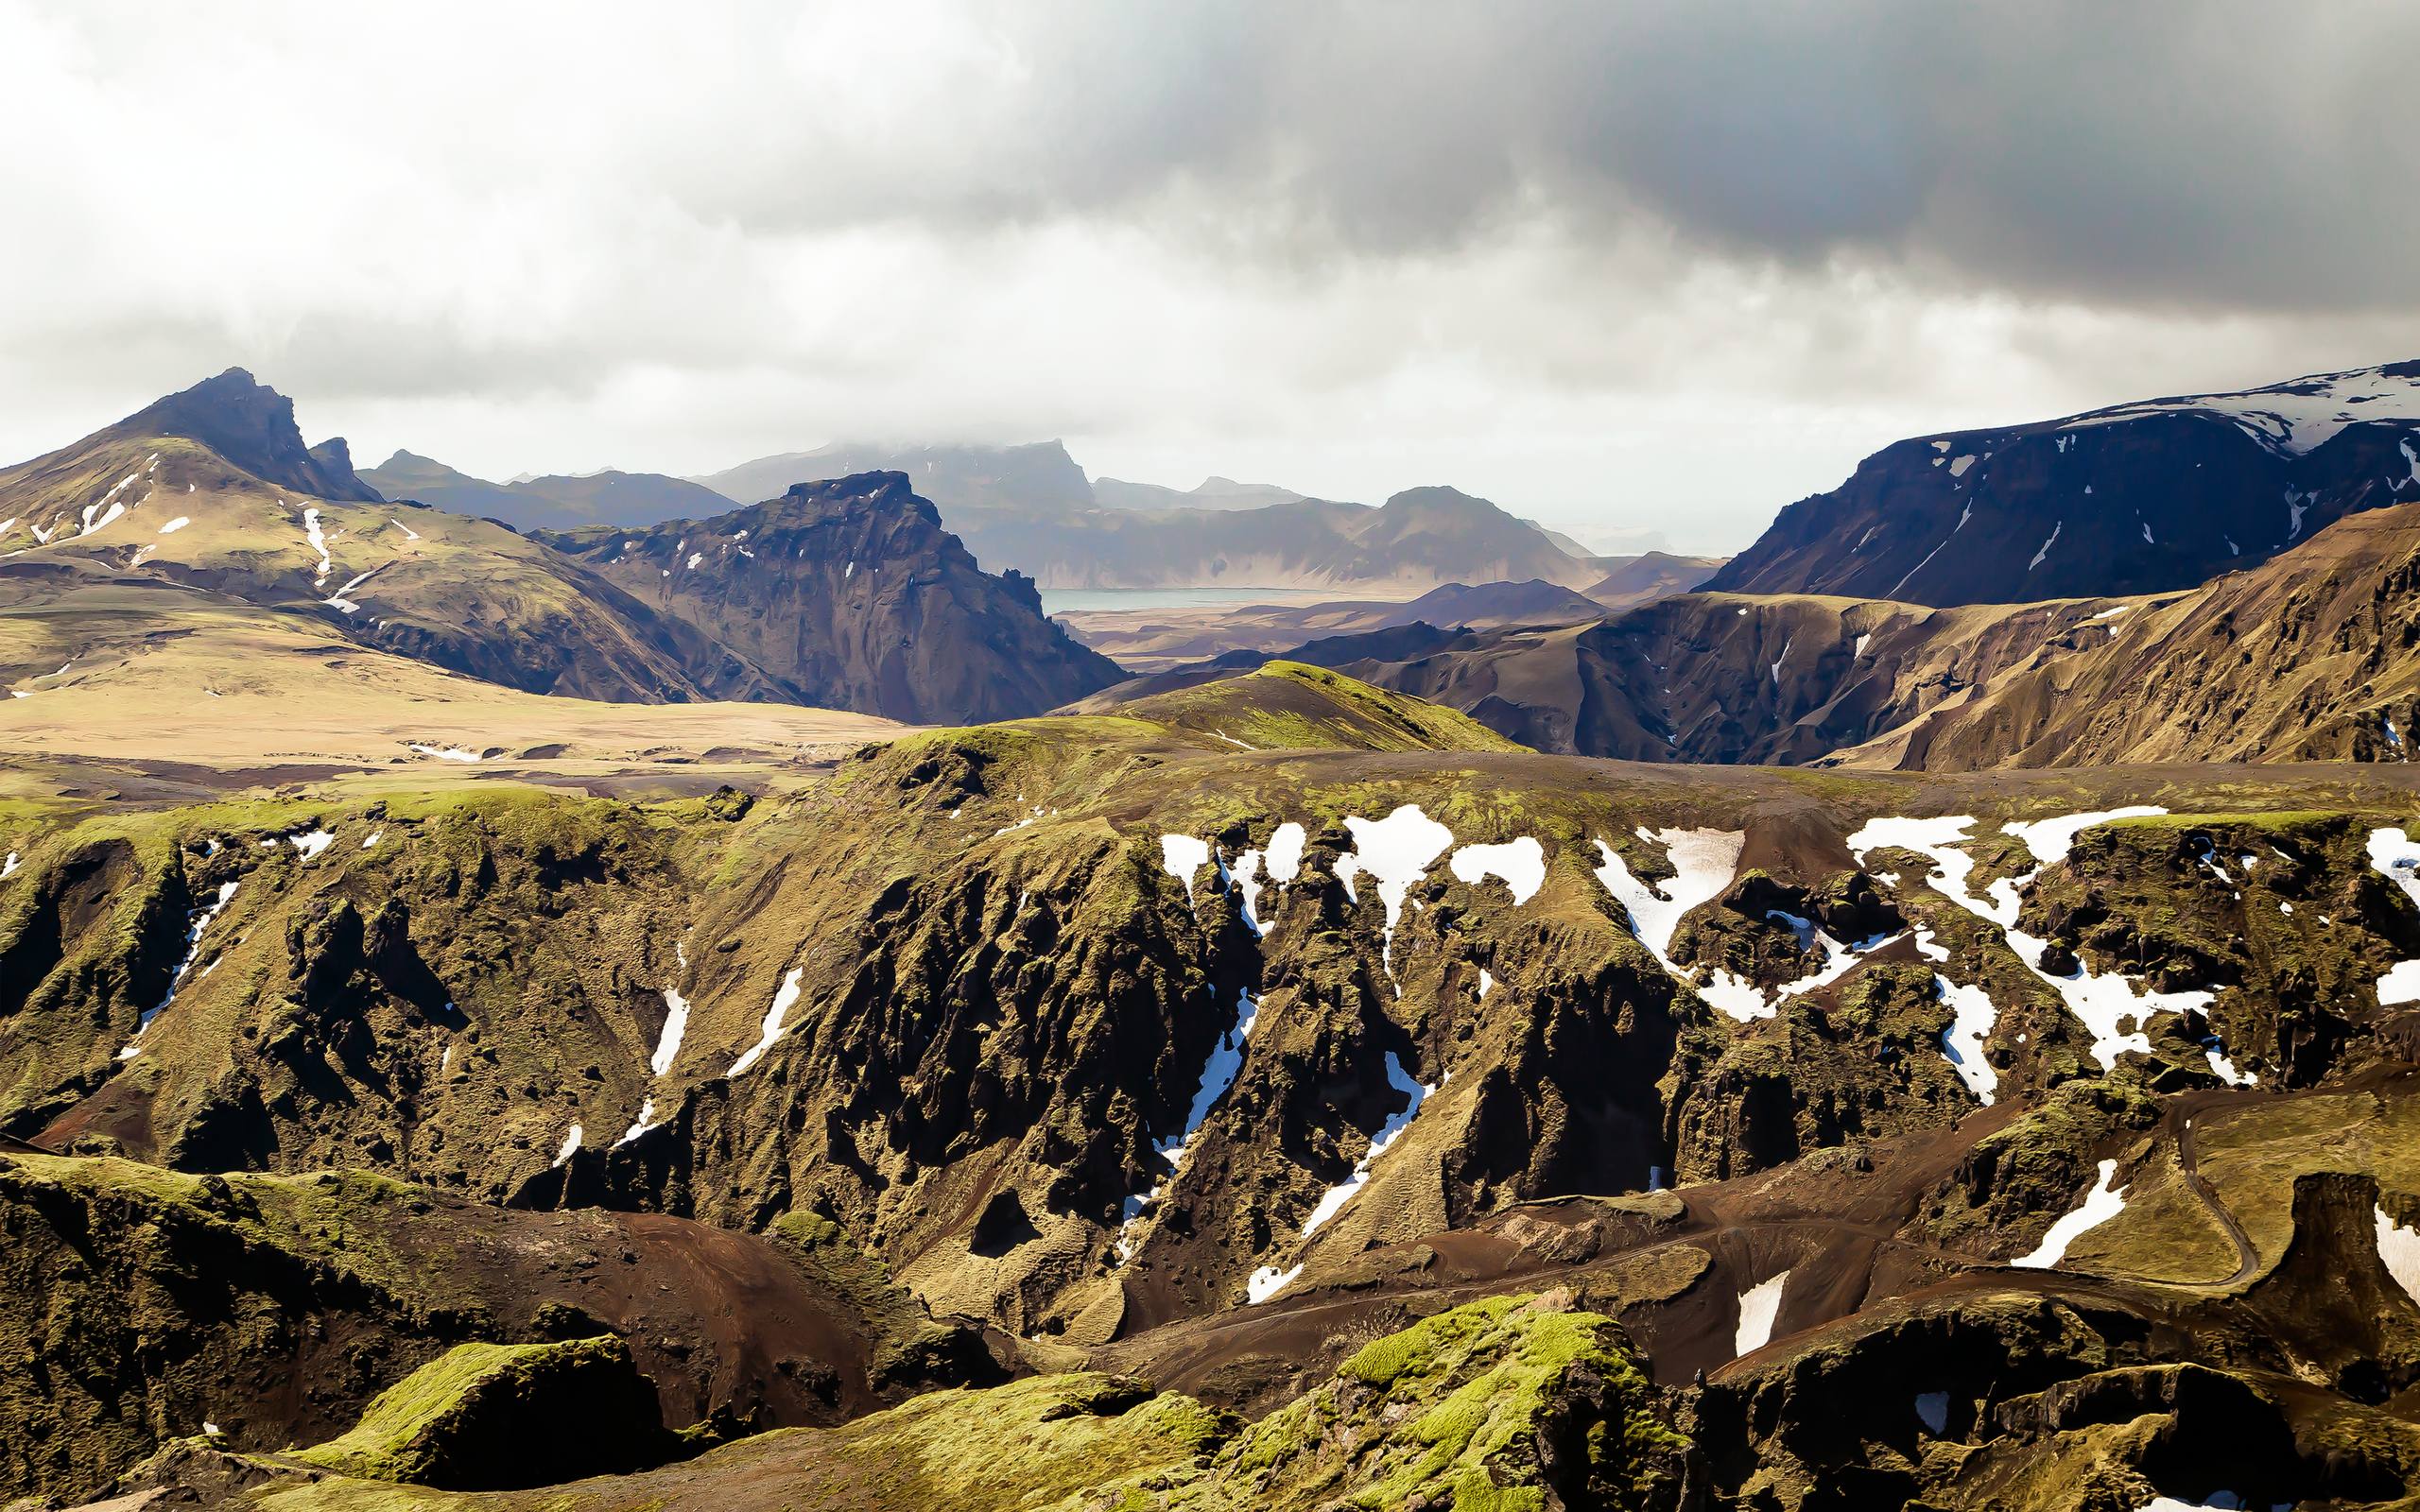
(492, 1417)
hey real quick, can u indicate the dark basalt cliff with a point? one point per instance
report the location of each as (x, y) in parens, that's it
(2138, 499)
(851, 594)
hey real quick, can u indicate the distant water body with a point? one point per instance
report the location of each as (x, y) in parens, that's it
(1060, 600)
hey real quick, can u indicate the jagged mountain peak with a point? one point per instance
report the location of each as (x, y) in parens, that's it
(850, 592)
(250, 426)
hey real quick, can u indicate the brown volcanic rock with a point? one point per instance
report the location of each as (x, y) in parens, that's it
(851, 594)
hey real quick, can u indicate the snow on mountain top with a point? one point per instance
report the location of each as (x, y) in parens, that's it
(2295, 416)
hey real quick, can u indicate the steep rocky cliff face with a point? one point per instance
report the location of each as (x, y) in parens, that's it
(851, 595)
(2135, 499)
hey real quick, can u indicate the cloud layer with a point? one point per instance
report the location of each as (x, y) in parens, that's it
(1666, 265)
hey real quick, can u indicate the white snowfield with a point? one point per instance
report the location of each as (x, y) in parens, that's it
(571, 1143)
(1759, 1306)
(640, 1125)
(444, 753)
(2100, 1204)
(1181, 856)
(1972, 1017)
(1268, 1281)
(1521, 864)
(319, 540)
(676, 1024)
(1704, 863)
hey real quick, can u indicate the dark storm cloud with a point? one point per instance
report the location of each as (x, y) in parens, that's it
(2175, 154)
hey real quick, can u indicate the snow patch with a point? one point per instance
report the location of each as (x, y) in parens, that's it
(1972, 1017)
(2100, 1204)
(2399, 1252)
(2056, 525)
(1332, 1201)
(1521, 862)
(572, 1137)
(1268, 1281)
(1759, 1306)
(444, 753)
(1181, 856)
(640, 1125)
(311, 842)
(1398, 851)
(783, 1001)
(319, 540)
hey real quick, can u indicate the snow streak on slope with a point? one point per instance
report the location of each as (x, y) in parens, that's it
(2100, 1204)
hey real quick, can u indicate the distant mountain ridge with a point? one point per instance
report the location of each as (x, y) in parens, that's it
(551, 502)
(2136, 498)
(1030, 509)
(1212, 493)
(959, 478)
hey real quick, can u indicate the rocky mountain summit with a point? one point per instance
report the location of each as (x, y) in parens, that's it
(848, 594)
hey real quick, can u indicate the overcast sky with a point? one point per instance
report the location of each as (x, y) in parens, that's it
(1667, 266)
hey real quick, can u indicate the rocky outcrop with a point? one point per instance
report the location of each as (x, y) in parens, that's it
(850, 594)
(495, 1416)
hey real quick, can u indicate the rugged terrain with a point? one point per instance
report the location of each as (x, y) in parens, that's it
(1767, 1051)
(1219, 1042)
(2307, 656)
(1160, 639)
